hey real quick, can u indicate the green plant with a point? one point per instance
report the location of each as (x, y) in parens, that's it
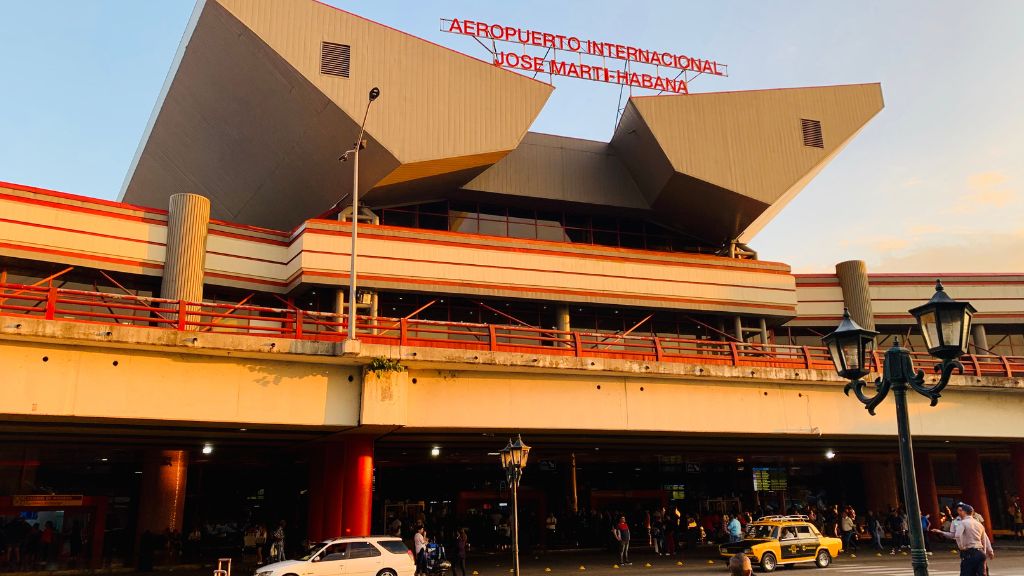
(381, 365)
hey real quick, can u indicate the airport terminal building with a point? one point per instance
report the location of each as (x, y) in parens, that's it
(177, 358)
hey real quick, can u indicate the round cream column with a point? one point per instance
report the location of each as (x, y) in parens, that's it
(853, 279)
(188, 220)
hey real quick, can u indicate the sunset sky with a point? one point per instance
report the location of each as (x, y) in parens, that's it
(932, 184)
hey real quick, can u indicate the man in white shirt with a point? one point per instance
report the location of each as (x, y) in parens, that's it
(419, 544)
(974, 544)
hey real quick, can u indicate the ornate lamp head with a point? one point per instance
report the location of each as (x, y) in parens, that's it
(945, 324)
(849, 346)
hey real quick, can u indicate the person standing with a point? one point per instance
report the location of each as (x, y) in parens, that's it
(461, 547)
(419, 545)
(621, 533)
(261, 541)
(875, 529)
(1016, 511)
(926, 523)
(735, 529)
(974, 544)
(848, 527)
(279, 541)
(550, 529)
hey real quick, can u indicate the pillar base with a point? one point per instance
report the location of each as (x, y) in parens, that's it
(351, 347)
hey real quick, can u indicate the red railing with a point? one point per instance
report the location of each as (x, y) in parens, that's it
(105, 309)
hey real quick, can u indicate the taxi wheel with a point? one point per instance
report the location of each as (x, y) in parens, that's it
(768, 562)
(823, 559)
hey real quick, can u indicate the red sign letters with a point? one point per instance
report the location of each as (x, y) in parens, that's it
(555, 42)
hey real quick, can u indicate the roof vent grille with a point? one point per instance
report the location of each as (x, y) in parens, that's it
(812, 133)
(334, 59)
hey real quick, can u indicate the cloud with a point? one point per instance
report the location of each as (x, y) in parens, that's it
(987, 190)
(995, 252)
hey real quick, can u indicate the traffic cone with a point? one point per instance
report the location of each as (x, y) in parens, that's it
(582, 567)
(711, 561)
(679, 563)
(616, 566)
(647, 565)
(547, 569)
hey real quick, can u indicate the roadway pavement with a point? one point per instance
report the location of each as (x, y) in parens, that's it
(1008, 562)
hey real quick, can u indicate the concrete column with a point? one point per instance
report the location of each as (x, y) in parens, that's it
(972, 483)
(763, 330)
(187, 222)
(1017, 463)
(357, 504)
(738, 325)
(162, 498)
(927, 493)
(980, 339)
(853, 279)
(562, 322)
(326, 489)
(880, 485)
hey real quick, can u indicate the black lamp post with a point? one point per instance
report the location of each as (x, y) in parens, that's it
(513, 460)
(946, 326)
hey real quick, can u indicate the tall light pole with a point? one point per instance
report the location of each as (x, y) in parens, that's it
(354, 152)
(513, 460)
(946, 327)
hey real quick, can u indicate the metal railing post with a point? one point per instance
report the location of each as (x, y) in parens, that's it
(492, 337)
(403, 334)
(735, 354)
(51, 302)
(299, 316)
(577, 342)
(807, 357)
(658, 352)
(182, 315)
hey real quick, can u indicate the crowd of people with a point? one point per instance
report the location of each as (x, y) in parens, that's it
(26, 545)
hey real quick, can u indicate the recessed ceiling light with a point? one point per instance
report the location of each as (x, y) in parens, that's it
(435, 451)
(207, 448)
(104, 459)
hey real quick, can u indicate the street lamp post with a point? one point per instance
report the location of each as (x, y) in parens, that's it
(513, 460)
(946, 327)
(354, 152)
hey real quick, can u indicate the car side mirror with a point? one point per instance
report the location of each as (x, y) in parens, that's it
(315, 559)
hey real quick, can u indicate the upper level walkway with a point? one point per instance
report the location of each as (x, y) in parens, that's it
(52, 303)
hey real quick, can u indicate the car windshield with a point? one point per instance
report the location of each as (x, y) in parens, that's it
(312, 550)
(761, 531)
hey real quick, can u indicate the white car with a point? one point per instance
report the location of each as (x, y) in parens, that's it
(366, 556)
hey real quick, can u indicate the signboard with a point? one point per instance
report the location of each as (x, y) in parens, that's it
(770, 479)
(592, 70)
(675, 491)
(47, 500)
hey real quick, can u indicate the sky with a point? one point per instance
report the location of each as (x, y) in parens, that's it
(935, 183)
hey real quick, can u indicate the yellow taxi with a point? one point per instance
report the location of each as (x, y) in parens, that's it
(784, 540)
